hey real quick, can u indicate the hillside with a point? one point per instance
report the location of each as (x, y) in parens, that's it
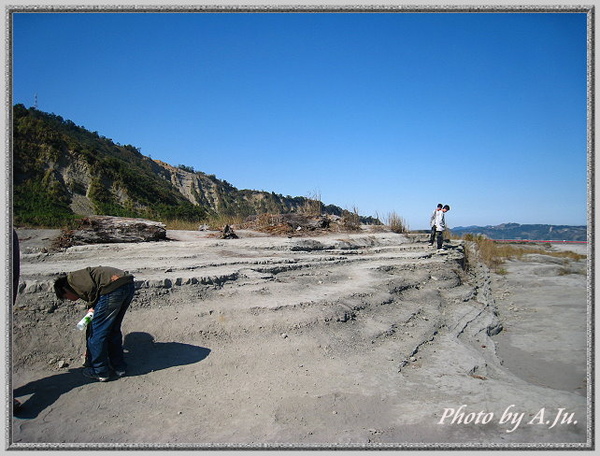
(62, 171)
(527, 232)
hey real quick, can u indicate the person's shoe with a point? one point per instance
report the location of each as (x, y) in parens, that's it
(89, 373)
(118, 372)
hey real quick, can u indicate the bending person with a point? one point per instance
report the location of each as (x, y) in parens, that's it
(109, 291)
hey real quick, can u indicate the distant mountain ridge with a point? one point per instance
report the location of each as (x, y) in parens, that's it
(62, 171)
(531, 232)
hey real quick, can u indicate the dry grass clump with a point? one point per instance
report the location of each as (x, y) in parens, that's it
(494, 254)
(312, 205)
(396, 223)
(351, 220)
(177, 224)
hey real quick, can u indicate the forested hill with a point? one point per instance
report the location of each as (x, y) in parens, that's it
(61, 171)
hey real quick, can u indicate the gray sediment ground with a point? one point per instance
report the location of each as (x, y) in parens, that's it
(366, 340)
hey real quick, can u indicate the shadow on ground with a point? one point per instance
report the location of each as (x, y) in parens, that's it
(143, 355)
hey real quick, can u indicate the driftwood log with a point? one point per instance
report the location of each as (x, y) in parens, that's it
(109, 230)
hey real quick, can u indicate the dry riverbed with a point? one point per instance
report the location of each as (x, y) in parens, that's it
(366, 340)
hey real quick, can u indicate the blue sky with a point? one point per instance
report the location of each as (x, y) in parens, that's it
(382, 112)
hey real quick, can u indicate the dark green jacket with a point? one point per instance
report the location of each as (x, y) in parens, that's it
(91, 283)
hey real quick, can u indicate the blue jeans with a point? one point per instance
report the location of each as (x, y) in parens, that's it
(105, 341)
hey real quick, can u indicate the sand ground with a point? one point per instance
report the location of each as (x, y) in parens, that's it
(367, 340)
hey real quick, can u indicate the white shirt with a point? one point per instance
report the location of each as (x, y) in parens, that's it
(440, 221)
(432, 219)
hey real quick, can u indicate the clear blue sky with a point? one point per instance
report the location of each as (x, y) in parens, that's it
(383, 112)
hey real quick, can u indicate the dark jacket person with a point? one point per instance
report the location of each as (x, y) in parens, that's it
(108, 291)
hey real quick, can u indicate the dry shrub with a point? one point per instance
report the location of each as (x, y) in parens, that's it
(273, 224)
(396, 223)
(351, 220)
(312, 205)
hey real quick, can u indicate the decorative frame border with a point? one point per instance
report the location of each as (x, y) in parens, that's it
(7, 225)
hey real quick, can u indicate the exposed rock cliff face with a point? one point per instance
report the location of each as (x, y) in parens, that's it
(196, 187)
(61, 170)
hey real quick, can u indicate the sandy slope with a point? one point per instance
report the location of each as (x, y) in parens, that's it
(361, 340)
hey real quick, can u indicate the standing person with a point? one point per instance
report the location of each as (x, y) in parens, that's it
(432, 223)
(440, 225)
(109, 291)
(16, 265)
(16, 272)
